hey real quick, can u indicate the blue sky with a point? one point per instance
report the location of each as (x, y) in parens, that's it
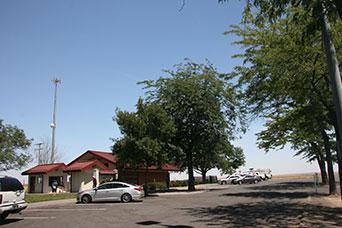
(100, 50)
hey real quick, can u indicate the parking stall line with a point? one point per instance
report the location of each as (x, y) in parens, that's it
(67, 209)
(32, 218)
(109, 204)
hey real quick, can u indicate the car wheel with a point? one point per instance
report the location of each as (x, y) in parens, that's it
(239, 182)
(86, 199)
(256, 181)
(223, 182)
(3, 216)
(125, 198)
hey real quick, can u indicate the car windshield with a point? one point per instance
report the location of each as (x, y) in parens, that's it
(10, 184)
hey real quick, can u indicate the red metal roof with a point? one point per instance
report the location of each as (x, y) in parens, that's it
(108, 156)
(108, 171)
(170, 167)
(105, 155)
(166, 167)
(80, 166)
(44, 168)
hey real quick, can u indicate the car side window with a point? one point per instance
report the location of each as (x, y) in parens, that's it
(117, 185)
(104, 186)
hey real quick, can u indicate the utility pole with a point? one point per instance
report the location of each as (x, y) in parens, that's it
(39, 149)
(56, 81)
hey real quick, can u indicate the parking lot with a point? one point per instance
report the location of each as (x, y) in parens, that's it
(284, 203)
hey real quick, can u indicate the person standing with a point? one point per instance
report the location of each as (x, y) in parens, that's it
(94, 182)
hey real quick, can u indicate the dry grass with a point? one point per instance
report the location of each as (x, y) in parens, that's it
(295, 176)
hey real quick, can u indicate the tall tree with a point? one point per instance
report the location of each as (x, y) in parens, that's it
(202, 105)
(147, 135)
(225, 157)
(322, 13)
(286, 71)
(13, 145)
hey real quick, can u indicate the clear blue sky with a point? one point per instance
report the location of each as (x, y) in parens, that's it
(100, 49)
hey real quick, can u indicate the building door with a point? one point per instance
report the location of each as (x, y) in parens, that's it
(32, 184)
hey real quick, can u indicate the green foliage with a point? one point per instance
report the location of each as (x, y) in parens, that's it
(204, 108)
(13, 145)
(146, 137)
(155, 186)
(285, 78)
(231, 160)
(272, 10)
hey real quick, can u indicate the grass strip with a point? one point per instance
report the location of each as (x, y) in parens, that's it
(32, 198)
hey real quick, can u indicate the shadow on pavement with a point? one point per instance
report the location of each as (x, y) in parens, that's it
(271, 195)
(268, 214)
(151, 223)
(284, 186)
(9, 221)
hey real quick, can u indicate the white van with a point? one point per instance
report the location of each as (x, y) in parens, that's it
(11, 196)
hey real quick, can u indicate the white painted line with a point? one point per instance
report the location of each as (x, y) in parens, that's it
(67, 209)
(178, 193)
(32, 218)
(112, 204)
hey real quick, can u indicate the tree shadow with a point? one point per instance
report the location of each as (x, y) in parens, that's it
(285, 186)
(271, 195)
(151, 223)
(268, 214)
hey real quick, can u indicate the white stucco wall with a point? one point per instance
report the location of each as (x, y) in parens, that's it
(83, 180)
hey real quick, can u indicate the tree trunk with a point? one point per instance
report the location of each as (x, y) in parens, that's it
(145, 182)
(321, 164)
(332, 183)
(191, 181)
(204, 176)
(336, 84)
(338, 4)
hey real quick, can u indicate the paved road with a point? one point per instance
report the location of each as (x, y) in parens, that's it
(278, 203)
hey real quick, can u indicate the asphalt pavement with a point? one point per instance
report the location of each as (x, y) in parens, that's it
(273, 203)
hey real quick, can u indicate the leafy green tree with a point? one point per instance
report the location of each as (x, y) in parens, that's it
(231, 160)
(13, 145)
(147, 135)
(320, 13)
(221, 155)
(203, 106)
(301, 128)
(286, 73)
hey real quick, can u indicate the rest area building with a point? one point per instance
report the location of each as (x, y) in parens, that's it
(78, 175)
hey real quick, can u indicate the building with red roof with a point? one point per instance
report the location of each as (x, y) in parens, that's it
(80, 173)
(41, 177)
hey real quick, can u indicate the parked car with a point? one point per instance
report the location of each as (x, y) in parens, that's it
(112, 191)
(12, 196)
(229, 179)
(268, 175)
(261, 175)
(247, 179)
